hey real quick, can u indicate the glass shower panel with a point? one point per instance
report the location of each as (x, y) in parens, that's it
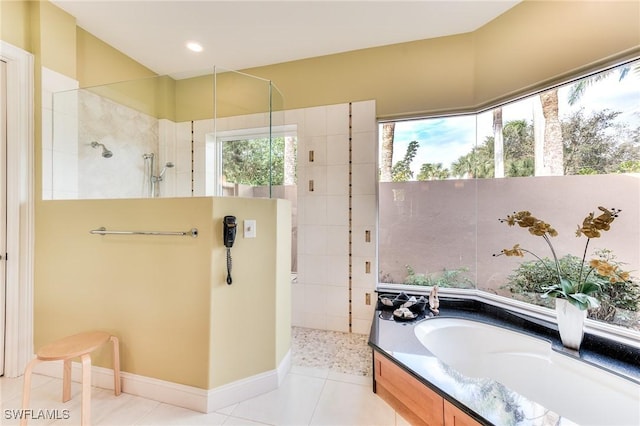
(111, 141)
(253, 151)
(222, 133)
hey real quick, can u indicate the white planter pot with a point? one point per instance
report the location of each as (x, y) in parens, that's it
(570, 323)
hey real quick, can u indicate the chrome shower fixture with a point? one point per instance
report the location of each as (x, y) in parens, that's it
(154, 180)
(168, 165)
(105, 152)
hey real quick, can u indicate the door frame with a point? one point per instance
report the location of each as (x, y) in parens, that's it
(20, 208)
(3, 204)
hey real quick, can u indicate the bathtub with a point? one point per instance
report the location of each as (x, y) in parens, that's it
(578, 391)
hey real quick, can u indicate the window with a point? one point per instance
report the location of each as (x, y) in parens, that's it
(561, 154)
(251, 163)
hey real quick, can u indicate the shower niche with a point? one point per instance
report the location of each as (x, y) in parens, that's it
(150, 137)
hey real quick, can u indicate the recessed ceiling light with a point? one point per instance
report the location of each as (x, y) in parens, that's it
(194, 46)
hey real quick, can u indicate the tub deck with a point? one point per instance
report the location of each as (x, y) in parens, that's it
(509, 395)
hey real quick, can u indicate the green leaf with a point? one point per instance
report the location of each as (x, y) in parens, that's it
(590, 288)
(593, 302)
(567, 286)
(579, 300)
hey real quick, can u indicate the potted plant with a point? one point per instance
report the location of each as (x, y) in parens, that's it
(574, 295)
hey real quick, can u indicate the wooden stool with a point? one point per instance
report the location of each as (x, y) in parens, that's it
(79, 345)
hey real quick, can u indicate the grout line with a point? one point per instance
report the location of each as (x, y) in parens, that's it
(192, 159)
(315, 407)
(350, 217)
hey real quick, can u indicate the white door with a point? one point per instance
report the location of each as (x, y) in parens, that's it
(3, 205)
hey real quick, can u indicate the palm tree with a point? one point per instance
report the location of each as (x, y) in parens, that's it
(432, 171)
(578, 88)
(464, 167)
(552, 147)
(386, 163)
(498, 143)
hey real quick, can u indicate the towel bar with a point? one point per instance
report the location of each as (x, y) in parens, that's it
(193, 232)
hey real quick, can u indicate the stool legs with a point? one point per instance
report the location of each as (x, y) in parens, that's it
(26, 389)
(85, 359)
(66, 380)
(86, 389)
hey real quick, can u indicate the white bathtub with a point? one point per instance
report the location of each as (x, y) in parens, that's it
(577, 391)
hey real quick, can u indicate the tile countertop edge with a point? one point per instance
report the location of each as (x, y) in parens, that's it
(403, 348)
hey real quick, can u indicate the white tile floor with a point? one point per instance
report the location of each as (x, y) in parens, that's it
(316, 391)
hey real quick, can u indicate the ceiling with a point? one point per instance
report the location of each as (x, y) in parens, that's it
(242, 34)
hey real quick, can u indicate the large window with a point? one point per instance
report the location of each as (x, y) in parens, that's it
(445, 183)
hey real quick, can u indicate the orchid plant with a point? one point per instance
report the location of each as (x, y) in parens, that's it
(579, 292)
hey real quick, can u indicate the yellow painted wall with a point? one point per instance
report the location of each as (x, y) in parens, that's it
(166, 298)
(244, 336)
(57, 39)
(531, 45)
(194, 98)
(541, 42)
(15, 25)
(404, 78)
(99, 63)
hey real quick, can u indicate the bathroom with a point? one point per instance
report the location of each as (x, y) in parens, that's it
(319, 300)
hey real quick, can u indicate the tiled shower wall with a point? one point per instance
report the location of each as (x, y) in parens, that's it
(337, 205)
(337, 208)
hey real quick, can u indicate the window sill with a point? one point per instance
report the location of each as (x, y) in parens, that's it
(597, 328)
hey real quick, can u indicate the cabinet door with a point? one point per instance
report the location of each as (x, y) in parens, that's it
(408, 396)
(453, 416)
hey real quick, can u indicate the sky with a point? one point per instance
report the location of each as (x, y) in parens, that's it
(444, 140)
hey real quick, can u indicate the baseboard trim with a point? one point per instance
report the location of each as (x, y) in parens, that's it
(202, 400)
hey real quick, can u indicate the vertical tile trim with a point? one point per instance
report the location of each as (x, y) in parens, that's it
(350, 217)
(192, 159)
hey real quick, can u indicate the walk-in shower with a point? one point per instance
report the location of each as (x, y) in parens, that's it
(152, 180)
(105, 152)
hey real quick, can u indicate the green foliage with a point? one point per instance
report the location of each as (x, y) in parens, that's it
(629, 167)
(401, 171)
(519, 168)
(593, 144)
(535, 276)
(589, 145)
(476, 164)
(432, 171)
(518, 152)
(250, 162)
(447, 278)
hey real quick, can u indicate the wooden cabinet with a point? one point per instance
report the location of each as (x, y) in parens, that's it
(453, 416)
(418, 404)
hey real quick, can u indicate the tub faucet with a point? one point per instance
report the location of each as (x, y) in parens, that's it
(434, 302)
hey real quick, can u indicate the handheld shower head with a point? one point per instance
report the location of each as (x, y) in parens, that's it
(168, 165)
(105, 152)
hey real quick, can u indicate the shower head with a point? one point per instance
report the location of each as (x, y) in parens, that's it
(105, 152)
(168, 165)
